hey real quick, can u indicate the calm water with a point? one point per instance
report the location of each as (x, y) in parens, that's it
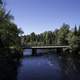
(42, 67)
(46, 67)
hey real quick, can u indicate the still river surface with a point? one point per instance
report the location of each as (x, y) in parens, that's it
(46, 67)
(49, 66)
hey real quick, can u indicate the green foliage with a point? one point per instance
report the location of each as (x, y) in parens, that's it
(11, 35)
(62, 34)
(72, 40)
(33, 37)
(79, 31)
(75, 30)
(9, 32)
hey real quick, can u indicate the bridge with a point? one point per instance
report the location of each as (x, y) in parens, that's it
(59, 49)
(45, 47)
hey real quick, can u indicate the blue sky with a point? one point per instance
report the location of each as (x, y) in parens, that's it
(43, 15)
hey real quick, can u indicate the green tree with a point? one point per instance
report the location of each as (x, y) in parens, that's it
(9, 32)
(62, 34)
(75, 30)
(55, 37)
(79, 31)
(33, 37)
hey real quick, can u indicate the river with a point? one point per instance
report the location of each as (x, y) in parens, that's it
(45, 67)
(48, 66)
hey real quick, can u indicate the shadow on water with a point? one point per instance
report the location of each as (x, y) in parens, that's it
(48, 66)
(70, 67)
(8, 69)
(37, 55)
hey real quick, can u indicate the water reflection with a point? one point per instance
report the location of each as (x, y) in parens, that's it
(38, 68)
(70, 67)
(49, 67)
(44, 67)
(8, 69)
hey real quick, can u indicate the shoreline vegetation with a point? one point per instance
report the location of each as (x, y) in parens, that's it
(10, 45)
(12, 41)
(59, 37)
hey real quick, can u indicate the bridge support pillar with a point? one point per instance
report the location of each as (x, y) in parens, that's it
(34, 51)
(59, 50)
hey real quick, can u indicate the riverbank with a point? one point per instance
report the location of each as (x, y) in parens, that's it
(11, 54)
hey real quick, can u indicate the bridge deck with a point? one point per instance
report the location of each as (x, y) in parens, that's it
(44, 47)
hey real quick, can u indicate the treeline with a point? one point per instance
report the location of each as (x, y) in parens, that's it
(62, 36)
(10, 41)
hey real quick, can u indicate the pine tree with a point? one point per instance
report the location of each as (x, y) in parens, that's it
(75, 30)
(79, 31)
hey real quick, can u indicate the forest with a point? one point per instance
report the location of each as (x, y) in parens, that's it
(60, 37)
(12, 41)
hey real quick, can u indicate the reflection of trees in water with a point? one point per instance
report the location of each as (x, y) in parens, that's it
(8, 69)
(70, 66)
(52, 58)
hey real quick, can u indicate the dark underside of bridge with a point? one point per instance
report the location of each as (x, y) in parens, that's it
(59, 49)
(34, 50)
